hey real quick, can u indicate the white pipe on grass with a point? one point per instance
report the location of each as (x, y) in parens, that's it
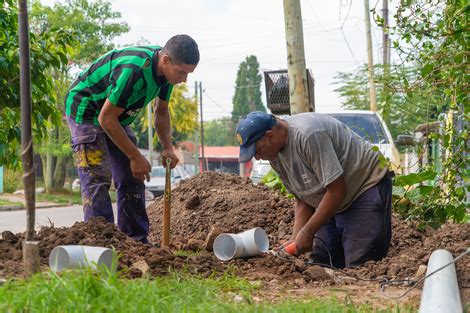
(79, 256)
(246, 244)
(441, 291)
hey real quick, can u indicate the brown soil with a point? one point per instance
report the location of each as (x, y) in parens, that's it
(228, 203)
(233, 204)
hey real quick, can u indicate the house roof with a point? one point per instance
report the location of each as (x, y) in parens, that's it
(220, 151)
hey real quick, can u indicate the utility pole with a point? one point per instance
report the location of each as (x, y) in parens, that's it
(150, 130)
(385, 38)
(296, 69)
(30, 247)
(196, 140)
(385, 60)
(370, 60)
(203, 159)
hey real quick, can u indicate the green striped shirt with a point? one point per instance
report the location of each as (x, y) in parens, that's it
(127, 77)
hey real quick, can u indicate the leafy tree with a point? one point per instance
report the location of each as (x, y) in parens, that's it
(247, 96)
(48, 51)
(91, 23)
(434, 38)
(183, 115)
(219, 132)
(402, 112)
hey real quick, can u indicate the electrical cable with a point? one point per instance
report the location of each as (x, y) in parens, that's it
(416, 283)
(383, 281)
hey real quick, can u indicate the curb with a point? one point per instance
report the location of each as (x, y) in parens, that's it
(6, 208)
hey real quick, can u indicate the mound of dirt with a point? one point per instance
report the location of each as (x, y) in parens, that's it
(230, 203)
(233, 204)
(135, 258)
(227, 201)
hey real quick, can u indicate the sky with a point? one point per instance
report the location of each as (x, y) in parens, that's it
(227, 31)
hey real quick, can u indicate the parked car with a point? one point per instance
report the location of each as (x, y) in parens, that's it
(156, 185)
(367, 124)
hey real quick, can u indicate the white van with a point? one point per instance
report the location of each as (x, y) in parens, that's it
(367, 124)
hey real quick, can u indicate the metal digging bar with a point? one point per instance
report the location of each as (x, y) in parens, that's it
(277, 91)
(30, 247)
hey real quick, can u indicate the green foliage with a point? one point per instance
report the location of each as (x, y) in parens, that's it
(88, 291)
(93, 24)
(12, 180)
(247, 96)
(434, 39)
(401, 112)
(433, 43)
(419, 199)
(272, 180)
(48, 51)
(220, 132)
(183, 115)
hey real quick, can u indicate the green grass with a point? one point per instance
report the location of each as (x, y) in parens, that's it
(9, 203)
(66, 198)
(85, 291)
(61, 198)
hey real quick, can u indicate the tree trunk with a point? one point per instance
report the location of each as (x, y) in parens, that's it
(60, 173)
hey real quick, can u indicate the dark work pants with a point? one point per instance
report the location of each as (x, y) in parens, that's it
(361, 233)
(98, 159)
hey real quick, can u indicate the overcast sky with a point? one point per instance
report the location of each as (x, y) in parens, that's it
(227, 31)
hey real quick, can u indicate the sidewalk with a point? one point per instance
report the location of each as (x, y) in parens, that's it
(20, 199)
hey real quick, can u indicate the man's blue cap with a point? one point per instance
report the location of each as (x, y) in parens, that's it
(251, 129)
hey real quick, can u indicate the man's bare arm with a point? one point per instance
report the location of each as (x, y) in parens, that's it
(329, 205)
(109, 121)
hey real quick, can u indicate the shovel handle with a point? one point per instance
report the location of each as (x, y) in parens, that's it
(167, 206)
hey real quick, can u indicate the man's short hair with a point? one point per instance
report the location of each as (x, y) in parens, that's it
(182, 49)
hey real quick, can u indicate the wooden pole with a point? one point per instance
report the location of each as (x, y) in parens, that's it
(370, 60)
(167, 205)
(204, 167)
(385, 38)
(298, 90)
(30, 247)
(196, 135)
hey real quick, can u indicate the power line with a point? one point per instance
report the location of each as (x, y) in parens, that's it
(214, 102)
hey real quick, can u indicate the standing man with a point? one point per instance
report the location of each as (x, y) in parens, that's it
(343, 195)
(102, 103)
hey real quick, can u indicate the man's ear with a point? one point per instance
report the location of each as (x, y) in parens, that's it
(270, 135)
(165, 59)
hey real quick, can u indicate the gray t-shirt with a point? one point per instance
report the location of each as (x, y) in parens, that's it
(319, 149)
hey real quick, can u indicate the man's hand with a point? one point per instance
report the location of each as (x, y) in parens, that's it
(303, 241)
(169, 154)
(140, 167)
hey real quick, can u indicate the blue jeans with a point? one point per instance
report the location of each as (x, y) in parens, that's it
(98, 160)
(361, 233)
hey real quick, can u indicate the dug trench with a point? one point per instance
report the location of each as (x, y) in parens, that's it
(212, 203)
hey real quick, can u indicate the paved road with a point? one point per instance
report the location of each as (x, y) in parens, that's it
(15, 221)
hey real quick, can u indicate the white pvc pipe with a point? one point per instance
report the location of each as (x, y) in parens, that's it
(246, 244)
(77, 256)
(441, 291)
(228, 246)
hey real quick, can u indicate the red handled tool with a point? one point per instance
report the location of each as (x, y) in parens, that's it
(290, 248)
